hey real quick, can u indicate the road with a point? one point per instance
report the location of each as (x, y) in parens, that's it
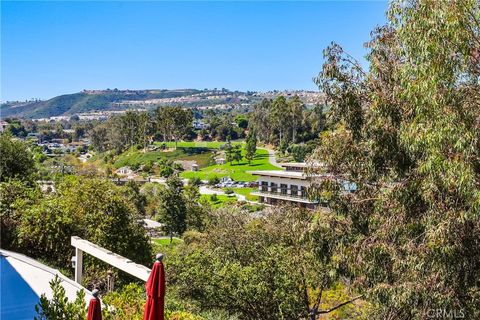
(207, 190)
(271, 157)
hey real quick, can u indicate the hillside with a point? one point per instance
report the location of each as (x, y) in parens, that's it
(86, 101)
(110, 100)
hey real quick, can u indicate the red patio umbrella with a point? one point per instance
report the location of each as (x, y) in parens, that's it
(94, 307)
(154, 307)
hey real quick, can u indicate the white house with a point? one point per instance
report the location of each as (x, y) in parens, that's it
(291, 185)
(199, 125)
(220, 161)
(3, 125)
(125, 171)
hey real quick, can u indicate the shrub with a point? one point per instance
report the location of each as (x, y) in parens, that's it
(195, 181)
(59, 308)
(213, 181)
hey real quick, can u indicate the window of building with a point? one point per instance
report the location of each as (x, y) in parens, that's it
(294, 190)
(283, 188)
(273, 187)
(264, 186)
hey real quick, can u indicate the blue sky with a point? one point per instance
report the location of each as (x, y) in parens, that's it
(51, 48)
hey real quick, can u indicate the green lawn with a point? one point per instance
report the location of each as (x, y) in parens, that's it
(198, 144)
(246, 192)
(187, 150)
(237, 172)
(221, 200)
(163, 245)
(138, 157)
(203, 159)
(166, 241)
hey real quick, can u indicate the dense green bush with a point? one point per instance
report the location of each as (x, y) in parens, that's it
(16, 161)
(214, 181)
(40, 225)
(59, 308)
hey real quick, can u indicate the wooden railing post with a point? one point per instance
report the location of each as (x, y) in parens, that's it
(78, 265)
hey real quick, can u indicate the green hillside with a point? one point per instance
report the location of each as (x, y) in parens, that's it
(84, 101)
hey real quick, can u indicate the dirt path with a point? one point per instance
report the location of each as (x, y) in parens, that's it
(271, 157)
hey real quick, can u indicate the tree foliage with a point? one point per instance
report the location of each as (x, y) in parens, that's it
(173, 208)
(407, 133)
(268, 267)
(16, 161)
(285, 121)
(173, 122)
(251, 146)
(59, 308)
(40, 225)
(122, 132)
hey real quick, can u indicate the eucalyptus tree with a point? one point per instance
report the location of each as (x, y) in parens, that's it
(173, 122)
(182, 120)
(259, 120)
(278, 115)
(295, 115)
(251, 146)
(407, 133)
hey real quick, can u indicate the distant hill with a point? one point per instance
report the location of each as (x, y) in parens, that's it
(110, 100)
(85, 101)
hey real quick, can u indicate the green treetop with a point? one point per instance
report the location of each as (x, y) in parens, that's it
(407, 133)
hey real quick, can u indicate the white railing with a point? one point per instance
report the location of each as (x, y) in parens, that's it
(113, 259)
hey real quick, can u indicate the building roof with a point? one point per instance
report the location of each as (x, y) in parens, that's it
(24, 280)
(280, 174)
(302, 164)
(294, 164)
(152, 224)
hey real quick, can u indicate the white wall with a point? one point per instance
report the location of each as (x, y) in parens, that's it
(287, 181)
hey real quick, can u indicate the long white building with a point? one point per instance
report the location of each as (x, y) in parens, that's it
(288, 186)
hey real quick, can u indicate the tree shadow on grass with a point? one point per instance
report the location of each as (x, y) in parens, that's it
(194, 150)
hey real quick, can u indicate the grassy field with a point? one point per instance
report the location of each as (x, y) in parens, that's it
(166, 241)
(246, 192)
(221, 200)
(236, 171)
(137, 157)
(197, 144)
(186, 150)
(163, 245)
(203, 159)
